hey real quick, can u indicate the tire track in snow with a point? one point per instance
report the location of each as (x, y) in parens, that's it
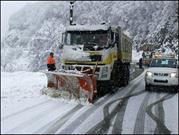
(159, 113)
(24, 110)
(104, 125)
(150, 125)
(140, 120)
(162, 129)
(70, 128)
(117, 128)
(51, 128)
(33, 119)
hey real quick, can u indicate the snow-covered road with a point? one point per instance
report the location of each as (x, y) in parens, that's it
(130, 110)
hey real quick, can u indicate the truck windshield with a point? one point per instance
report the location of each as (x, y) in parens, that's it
(172, 63)
(86, 38)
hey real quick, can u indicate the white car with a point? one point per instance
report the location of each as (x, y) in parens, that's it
(162, 72)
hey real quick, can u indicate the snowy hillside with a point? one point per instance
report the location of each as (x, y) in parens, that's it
(36, 29)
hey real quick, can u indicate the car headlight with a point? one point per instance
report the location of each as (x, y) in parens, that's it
(149, 74)
(172, 75)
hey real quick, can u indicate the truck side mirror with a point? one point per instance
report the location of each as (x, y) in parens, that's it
(62, 41)
(113, 39)
(111, 42)
(61, 46)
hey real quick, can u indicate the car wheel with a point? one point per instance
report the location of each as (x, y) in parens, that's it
(147, 87)
(175, 89)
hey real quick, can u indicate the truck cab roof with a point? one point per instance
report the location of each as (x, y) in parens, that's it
(87, 27)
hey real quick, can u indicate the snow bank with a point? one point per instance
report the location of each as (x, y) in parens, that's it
(19, 87)
(22, 103)
(20, 90)
(22, 80)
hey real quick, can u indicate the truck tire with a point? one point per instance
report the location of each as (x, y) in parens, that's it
(115, 74)
(120, 74)
(103, 87)
(125, 75)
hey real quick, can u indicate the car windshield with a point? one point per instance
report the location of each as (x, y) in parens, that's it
(86, 37)
(172, 63)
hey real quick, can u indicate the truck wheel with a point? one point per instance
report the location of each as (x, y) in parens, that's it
(128, 74)
(125, 75)
(116, 74)
(103, 87)
(125, 82)
(100, 91)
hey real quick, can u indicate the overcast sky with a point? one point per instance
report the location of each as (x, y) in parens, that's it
(7, 9)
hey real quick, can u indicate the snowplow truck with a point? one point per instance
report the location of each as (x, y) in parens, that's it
(100, 54)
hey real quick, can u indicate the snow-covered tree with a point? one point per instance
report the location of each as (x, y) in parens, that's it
(36, 29)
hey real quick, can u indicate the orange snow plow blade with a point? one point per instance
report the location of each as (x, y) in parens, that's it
(76, 85)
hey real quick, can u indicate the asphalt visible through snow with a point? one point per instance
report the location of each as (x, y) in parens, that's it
(130, 110)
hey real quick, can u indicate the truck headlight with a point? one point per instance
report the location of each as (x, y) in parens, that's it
(149, 74)
(172, 75)
(104, 70)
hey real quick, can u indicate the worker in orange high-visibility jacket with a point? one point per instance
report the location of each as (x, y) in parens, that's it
(51, 62)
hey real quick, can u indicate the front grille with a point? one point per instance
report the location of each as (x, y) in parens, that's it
(86, 68)
(97, 69)
(161, 74)
(81, 63)
(161, 81)
(78, 68)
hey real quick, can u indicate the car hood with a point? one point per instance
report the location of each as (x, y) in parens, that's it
(162, 70)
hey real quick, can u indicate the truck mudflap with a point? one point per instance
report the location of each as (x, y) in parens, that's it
(71, 85)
